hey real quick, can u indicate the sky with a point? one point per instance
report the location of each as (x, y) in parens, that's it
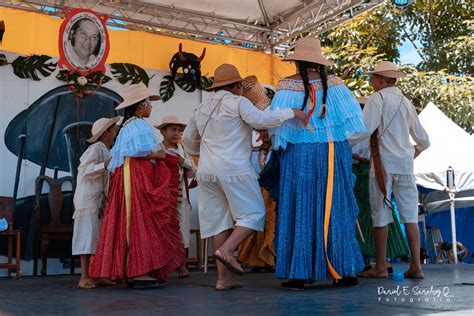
(408, 54)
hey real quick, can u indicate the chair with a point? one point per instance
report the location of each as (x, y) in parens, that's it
(11, 233)
(195, 261)
(55, 230)
(75, 135)
(435, 239)
(206, 256)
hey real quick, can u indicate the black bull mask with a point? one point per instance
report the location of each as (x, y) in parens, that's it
(190, 64)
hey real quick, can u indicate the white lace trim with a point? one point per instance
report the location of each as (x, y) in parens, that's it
(207, 177)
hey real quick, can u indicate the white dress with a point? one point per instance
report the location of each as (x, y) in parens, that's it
(91, 191)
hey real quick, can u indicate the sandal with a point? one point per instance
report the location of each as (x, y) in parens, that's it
(147, 283)
(230, 263)
(371, 274)
(414, 275)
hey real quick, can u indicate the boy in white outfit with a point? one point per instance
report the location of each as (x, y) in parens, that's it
(90, 195)
(172, 130)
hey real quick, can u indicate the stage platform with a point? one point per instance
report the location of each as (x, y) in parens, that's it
(447, 289)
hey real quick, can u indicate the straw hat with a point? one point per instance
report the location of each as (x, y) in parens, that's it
(100, 126)
(135, 93)
(388, 69)
(169, 120)
(224, 75)
(255, 92)
(308, 49)
(362, 100)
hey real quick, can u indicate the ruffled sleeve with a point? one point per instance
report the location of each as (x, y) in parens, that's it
(135, 139)
(343, 118)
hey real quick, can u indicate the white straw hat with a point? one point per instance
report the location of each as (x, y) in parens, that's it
(388, 69)
(309, 49)
(100, 126)
(135, 93)
(169, 120)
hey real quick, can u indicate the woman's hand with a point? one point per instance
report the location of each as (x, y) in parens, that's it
(299, 115)
(160, 155)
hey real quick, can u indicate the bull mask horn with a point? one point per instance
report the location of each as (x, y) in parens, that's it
(203, 54)
(180, 52)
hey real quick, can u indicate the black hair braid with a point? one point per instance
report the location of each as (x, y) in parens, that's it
(128, 113)
(303, 70)
(324, 81)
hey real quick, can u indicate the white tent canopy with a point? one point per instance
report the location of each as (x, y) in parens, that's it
(450, 146)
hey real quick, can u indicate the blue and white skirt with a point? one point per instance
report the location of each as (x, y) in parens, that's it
(300, 217)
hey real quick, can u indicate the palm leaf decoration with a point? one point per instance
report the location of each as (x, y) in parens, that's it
(3, 60)
(270, 93)
(167, 88)
(67, 76)
(185, 85)
(206, 82)
(125, 72)
(98, 77)
(30, 67)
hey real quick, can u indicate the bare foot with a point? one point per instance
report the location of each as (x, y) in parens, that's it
(183, 271)
(86, 284)
(414, 274)
(227, 286)
(225, 281)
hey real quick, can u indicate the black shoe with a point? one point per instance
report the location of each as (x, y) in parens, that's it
(347, 281)
(147, 284)
(390, 270)
(296, 285)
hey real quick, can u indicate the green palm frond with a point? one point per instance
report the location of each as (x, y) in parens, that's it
(29, 67)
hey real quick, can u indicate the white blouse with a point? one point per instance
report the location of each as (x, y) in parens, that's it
(396, 124)
(92, 177)
(220, 132)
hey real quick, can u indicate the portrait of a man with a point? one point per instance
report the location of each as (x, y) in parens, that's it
(84, 41)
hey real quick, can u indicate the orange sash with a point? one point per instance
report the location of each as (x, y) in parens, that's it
(327, 211)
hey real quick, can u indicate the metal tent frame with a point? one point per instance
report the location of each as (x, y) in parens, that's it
(276, 34)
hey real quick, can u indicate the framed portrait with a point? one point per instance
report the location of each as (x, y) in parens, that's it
(83, 41)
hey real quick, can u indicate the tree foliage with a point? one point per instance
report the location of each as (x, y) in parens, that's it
(444, 32)
(444, 29)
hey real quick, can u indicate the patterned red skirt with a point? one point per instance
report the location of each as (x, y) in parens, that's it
(155, 247)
